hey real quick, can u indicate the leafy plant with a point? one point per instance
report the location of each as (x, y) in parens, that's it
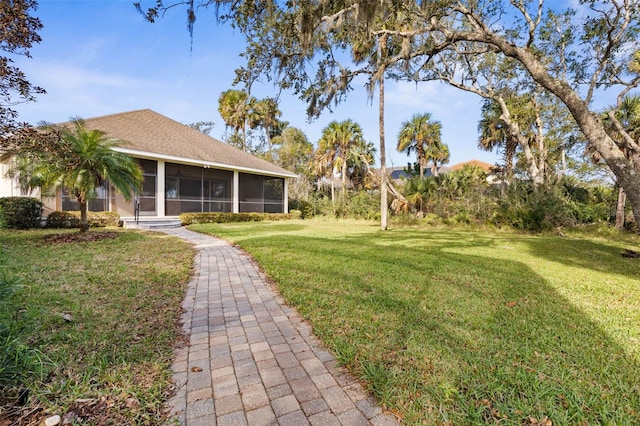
(71, 219)
(192, 218)
(21, 212)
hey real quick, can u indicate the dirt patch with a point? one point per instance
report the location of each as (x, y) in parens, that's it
(79, 237)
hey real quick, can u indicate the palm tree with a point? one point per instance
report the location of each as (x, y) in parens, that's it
(80, 161)
(235, 108)
(494, 134)
(438, 154)
(339, 146)
(416, 135)
(266, 114)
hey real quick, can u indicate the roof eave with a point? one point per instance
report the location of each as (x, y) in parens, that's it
(191, 161)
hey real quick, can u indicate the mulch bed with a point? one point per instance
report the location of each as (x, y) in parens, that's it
(79, 237)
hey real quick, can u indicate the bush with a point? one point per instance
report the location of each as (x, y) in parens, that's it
(72, 219)
(353, 205)
(305, 207)
(193, 218)
(21, 212)
(536, 211)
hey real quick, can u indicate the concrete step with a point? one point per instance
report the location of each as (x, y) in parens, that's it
(151, 223)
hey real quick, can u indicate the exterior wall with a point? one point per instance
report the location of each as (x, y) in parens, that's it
(8, 183)
(9, 187)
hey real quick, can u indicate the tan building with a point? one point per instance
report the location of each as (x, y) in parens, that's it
(184, 171)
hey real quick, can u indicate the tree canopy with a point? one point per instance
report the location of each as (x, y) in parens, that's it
(18, 33)
(576, 54)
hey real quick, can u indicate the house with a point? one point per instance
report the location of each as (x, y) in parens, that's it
(488, 168)
(184, 171)
(398, 173)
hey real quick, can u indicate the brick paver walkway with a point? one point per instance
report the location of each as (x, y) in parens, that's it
(252, 360)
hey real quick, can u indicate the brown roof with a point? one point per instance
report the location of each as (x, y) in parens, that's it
(153, 134)
(484, 166)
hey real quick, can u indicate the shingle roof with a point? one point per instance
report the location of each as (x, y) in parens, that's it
(146, 131)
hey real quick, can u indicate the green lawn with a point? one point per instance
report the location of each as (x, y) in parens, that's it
(463, 327)
(109, 362)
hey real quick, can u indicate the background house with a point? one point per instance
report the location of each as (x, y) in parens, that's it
(399, 173)
(184, 171)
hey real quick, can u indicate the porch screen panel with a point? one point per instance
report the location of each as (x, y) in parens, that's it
(261, 194)
(273, 195)
(217, 190)
(148, 195)
(191, 189)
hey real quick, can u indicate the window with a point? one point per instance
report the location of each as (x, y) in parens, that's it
(100, 203)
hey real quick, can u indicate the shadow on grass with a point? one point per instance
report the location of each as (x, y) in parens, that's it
(593, 255)
(447, 337)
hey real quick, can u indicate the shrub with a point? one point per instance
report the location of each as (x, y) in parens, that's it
(405, 219)
(295, 214)
(193, 218)
(536, 211)
(305, 207)
(21, 212)
(71, 219)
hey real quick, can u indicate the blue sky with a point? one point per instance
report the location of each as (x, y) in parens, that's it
(100, 57)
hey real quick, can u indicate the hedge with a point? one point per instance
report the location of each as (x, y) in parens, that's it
(71, 219)
(193, 218)
(21, 212)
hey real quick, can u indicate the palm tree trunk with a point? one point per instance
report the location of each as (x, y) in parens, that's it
(344, 175)
(384, 211)
(333, 191)
(268, 136)
(84, 223)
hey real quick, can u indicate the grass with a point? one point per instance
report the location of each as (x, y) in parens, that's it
(111, 362)
(461, 327)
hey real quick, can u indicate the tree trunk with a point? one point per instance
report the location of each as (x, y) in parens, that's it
(268, 135)
(333, 191)
(84, 223)
(535, 173)
(344, 175)
(627, 175)
(244, 138)
(622, 201)
(384, 211)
